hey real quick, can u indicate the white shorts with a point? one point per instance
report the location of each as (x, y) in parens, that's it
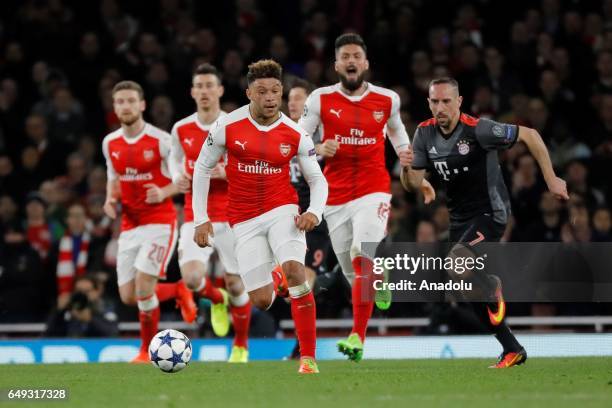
(223, 243)
(147, 248)
(361, 220)
(265, 241)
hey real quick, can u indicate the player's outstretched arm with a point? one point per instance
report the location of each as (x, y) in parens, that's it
(538, 149)
(316, 182)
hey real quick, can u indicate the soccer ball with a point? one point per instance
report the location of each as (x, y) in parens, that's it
(170, 351)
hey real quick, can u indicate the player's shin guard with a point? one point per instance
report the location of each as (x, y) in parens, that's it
(148, 315)
(363, 295)
(165, 291)
(240, 310)
(207, 290)
(304, 313)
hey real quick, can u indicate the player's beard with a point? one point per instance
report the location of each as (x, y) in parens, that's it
(352, 85)
(128, 120)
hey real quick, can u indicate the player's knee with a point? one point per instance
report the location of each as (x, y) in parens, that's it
(234, 285)
(192, 275)
(294, 271)
(128, 298)
(260, 299)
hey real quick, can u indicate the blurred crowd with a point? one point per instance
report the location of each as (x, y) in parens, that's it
(545, 64)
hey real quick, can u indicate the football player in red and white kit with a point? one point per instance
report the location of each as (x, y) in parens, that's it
(139, 179)
(188, 135)
(260, 142)
(353, 118)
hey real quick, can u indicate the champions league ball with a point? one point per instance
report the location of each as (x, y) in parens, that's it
(170, 351)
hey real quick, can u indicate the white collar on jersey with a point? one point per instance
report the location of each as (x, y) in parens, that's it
(353, 98)
(262, 127)
(134, 139)
(204, 126)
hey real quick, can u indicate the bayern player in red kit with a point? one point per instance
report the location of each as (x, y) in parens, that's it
(188, 135)
(260, 142)
(138, 177)
(353, 118)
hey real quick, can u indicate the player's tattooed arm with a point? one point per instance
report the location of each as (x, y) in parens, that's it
(537, 148)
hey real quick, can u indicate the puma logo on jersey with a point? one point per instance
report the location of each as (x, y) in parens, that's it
(115, 155)
(241, 144)
(189, 142)
(336, 112)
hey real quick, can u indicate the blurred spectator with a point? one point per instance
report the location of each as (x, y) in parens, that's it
(38, 231)
(64, 115)
(441, 220)
(10, 180)
(69, 257)
(76, 175)
(84, 314)
(51, 154)
(96, 181)
(8, 210)
(233, 80)
(602, 225)
(600, 135)
(22, 281)
(548, 227)
(526, 189)
(578, 227)
(162, 112)
(576, 176)
(603, 82)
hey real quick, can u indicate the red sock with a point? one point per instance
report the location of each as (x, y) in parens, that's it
(363, 295)
(165, 291)
(211, 292)
(241, 318)
(148, 326)
(304, 314)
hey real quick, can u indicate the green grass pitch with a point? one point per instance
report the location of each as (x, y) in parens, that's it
(554, 383)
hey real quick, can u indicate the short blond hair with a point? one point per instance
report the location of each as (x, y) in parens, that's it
(130, 86)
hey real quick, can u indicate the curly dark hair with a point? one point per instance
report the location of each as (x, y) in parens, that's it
(264, 69)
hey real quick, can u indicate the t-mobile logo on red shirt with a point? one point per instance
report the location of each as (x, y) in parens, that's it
(259, 167)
